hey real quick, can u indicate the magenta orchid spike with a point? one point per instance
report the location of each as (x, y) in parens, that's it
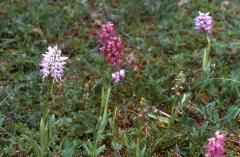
(215, 146)
(114, 52)
(110, 45)
(52, 64)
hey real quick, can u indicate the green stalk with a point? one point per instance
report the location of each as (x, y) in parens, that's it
(206, 60)
(46, 109)
(173, 113)
(44, 122)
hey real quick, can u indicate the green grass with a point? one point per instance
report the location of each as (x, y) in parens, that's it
(159, 37)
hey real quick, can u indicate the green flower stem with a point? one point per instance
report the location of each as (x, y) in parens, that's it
(206, 60)
(46, 109)
(208, 46)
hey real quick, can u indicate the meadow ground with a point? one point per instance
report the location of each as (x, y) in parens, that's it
(165, 106)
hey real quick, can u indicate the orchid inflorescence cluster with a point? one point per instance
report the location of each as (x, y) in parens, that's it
(215, 146)
(52, 64)
(204, 23)
(111, 47)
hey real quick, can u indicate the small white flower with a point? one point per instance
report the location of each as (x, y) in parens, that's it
(118, 76)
